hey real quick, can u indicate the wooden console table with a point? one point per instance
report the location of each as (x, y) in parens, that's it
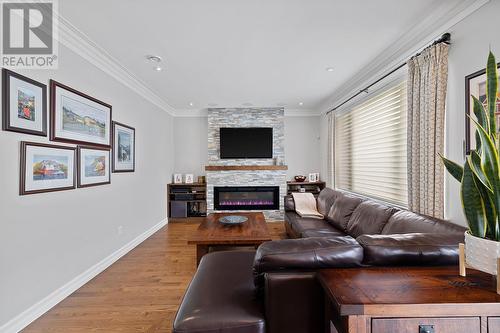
(415, 300)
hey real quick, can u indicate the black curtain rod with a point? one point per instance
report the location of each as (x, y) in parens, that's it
(445, 38)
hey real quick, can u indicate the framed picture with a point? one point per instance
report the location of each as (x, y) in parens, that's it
(46, 168)
(24, 104)
(177, 178)
(311, 178)
(189, 178)
(475, 85)
(78, 118)
(93, 166)
(123, 148)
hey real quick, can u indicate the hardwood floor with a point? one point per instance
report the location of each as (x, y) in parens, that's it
(138, 293)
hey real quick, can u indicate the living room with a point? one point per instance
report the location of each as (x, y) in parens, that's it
(235, 166)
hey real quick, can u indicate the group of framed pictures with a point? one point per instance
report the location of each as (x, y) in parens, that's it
(188, 178)
(475, 85)
(103, 145)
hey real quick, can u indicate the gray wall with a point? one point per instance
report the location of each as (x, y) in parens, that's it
(46, 240)
(302, 145)
(471, 41)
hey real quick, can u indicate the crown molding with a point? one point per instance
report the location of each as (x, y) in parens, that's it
(442, 18)
(74, 39)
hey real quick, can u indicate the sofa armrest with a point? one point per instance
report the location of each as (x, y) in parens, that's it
(289, 203)
(411, 249)
(297, 293)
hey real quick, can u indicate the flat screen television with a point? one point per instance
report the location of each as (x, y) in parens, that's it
(246, 142)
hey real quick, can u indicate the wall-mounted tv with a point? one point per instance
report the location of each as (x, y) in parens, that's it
(246, 142)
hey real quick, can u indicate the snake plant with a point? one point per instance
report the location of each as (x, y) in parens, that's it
(480, 174)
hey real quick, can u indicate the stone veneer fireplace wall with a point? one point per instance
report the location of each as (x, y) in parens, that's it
(246, 117)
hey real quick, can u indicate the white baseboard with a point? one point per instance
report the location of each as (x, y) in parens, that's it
(25, 318)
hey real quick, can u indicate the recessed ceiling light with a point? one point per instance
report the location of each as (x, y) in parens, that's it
(300, 103)
(156, 60)
(191, 103)
(329, 69)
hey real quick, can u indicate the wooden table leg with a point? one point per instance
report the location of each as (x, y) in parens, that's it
(201, 250)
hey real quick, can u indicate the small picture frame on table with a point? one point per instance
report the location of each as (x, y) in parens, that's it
(178, 178)
(312, 178)
(189, 178)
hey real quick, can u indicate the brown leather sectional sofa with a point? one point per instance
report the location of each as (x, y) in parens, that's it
(275, 290)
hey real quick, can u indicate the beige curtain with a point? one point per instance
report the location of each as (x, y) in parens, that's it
(427, 81)
(331, 152)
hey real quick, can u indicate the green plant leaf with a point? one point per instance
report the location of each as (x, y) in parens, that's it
(473, 204)
(490, 166)
(453, 168)
(487, 197)
(482, 118)
(474, 161)
(491, 90)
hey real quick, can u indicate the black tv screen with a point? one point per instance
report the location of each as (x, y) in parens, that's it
(246, 142)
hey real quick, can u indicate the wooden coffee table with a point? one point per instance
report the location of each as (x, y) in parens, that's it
(212, 233)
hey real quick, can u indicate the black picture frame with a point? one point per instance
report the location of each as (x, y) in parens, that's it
(6, 119)
(79, 166)
(468, 107)
(22, 183)
(115, 168)
(54, 132)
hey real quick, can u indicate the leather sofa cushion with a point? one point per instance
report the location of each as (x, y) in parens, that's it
(307, 253)
(323, 233)
(341, 211)
(325, 200)
(404, 221)
(289, 204)
(410, 249)
(221, 297)
(369, 218)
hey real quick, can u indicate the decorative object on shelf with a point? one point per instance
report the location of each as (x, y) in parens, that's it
(93, 166)
(300, 178)
(24, 104)
(317, 177)
(312, 178)
(123, 148)
(77, 117)
(233, 219)
(475, 86)
(201, 179)
(189, 178)
(46, 168)
(480, 183)
(177, 178)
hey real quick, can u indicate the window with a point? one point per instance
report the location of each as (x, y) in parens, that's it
(370, 146)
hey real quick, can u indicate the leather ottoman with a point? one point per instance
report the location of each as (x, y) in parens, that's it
(221, 297)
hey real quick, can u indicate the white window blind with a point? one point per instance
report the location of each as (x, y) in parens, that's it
(370, 146)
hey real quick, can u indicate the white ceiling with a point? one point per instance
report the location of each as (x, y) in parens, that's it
(235, 52)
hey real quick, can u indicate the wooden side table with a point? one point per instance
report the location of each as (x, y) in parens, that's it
(407, 300)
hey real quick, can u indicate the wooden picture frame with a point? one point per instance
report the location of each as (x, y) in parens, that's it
(31, 106)
(54, 167)
(78, 118)
(123, 155)
(100, 161)
(472, 82)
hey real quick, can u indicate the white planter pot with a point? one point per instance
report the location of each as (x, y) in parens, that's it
(481, 254)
